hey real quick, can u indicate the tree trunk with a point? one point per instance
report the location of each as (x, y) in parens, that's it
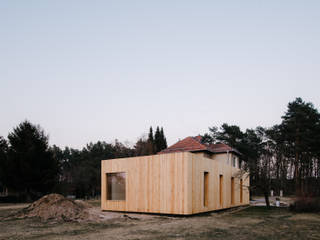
(266, 197)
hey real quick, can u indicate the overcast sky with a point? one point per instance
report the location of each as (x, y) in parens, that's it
(100, 70)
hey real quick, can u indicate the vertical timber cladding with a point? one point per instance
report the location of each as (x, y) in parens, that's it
(158, 183)
(174, 183)
(220, 184)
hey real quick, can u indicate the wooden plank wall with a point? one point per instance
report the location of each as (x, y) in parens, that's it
(173, 184)
(215, 168)
(157, 183)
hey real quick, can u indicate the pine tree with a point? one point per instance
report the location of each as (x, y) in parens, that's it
(157, 140)
(163, 139)
(150, 143)
(3, 161)
(150, 136)
(32, 168)
(301, 131)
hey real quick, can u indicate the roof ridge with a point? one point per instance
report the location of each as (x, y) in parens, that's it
(193, 143)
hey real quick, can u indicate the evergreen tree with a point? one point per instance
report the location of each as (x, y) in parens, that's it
(150, 145)
(31, 168)
(278, 154)
(207, 138)
(150, 136)
(301, 131)
(157, 140)
(3, 161)
(142, 147)
(163, 139)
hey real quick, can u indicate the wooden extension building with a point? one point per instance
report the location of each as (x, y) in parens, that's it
(187, 178)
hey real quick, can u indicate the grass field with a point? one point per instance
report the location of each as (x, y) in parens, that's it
(251, 223)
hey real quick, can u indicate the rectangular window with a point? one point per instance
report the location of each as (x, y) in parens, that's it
(116, 186)
(234, 161)
(205, 188)
(232, 190)
(221, 190)
(241, 191)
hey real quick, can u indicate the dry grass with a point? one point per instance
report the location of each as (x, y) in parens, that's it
(252, 223)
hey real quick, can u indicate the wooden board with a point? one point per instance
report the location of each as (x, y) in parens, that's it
(173, 184)
(157, 183)
(216, 169)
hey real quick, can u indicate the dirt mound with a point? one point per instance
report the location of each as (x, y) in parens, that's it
(57, 207)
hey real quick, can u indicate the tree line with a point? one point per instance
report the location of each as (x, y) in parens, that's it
(285, 156)
(30, 168)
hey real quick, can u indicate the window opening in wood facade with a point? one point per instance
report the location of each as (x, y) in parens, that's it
(116, 186)
(241, 191)
(221, 190)
(232, 190)
(205, 188)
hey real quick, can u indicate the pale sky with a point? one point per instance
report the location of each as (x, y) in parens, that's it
(100, 70)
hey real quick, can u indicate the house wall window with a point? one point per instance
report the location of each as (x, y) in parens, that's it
(234, 161)
(232, 190)
(205, 188)
(116, 186)
(221, 190)
(241, 191)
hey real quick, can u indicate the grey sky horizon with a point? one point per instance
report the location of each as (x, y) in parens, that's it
(104, 70)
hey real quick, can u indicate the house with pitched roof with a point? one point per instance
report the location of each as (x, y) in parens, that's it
(188, 177)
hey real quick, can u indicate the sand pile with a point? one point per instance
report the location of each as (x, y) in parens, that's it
(57, 207)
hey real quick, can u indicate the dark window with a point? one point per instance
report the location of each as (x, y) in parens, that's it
(205, 188)
(232, 190)
(221, 190)
(116, 186)
(241, 191)
(234, 161)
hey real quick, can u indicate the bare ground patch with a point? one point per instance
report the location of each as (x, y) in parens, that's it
(252, 223)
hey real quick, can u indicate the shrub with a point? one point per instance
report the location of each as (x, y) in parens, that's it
(306, 204)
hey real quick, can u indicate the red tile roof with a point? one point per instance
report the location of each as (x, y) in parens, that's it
(193, 144)
(188, 144)
(221, 147)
